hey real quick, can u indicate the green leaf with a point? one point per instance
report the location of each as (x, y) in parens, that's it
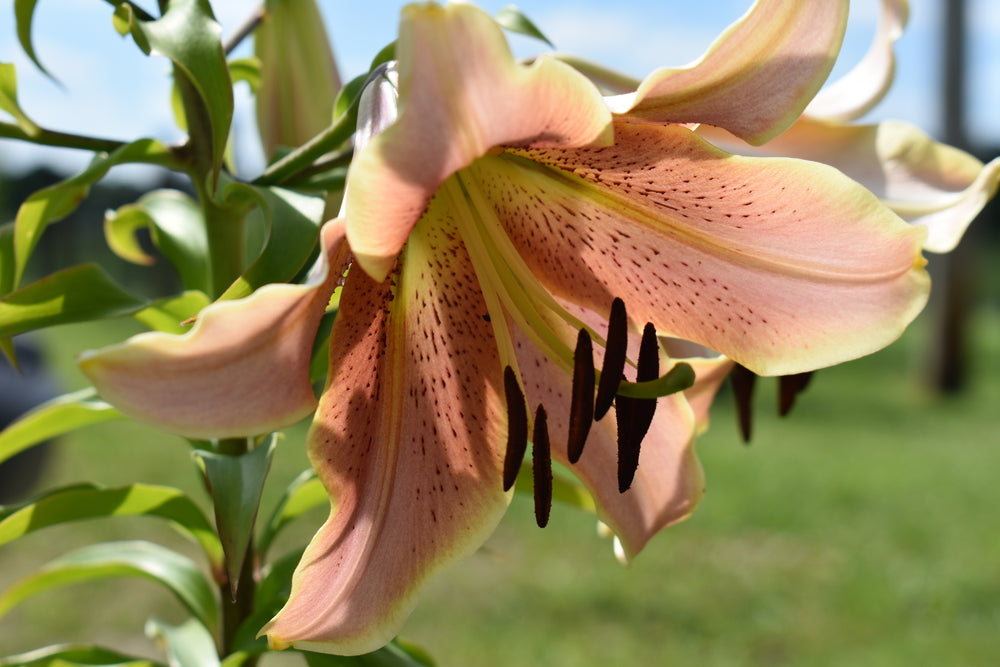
(293, 220)
(188, 34)
(169, 313)
(55, 202)
(349, 94)
(246, 69)
(304, 493)
(120, 228)
(7, 284)
(71, 655)
(77, 294)
(186, 645)
(237, 659)
(91, 502)
(24, 14)
(511, 18)
(272, 593)
(391, 655)
(177, 225)
(53, 418)
(6, 258)
(236, 483)
(8, 99)
(120, 559)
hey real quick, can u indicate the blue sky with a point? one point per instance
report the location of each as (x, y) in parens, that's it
(111, 89)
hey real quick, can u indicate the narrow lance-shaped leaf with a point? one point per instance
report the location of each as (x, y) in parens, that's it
(57, 201)
(186, 645)
(188, 34)
(120, 232)
(67, 655)
(24, 15)
(513, 19)
(272, 592)
(60, 415)
(77, 503)
(169, 314)
(303, 494)
(177, 226)
(236, 483)
(394, 654)
(292, 221)
(123, 559)
(8, 98)
(77, 294)
(7, 283)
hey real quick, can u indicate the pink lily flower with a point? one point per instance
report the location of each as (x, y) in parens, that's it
(925, 182)
(507, 209)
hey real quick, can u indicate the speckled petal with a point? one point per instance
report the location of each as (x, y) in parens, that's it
(243, 368)
(669, 481)
(782, 265)
(857, 92)
(755, 80)
(925, 182)
(461, 94)
(408, 440)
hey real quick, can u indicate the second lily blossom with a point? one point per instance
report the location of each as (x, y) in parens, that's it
(502, 213)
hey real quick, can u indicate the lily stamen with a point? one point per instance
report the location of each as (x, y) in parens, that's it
(581, 412)
(635, 415)
(517, 428)
(614, 359)
(541, 468)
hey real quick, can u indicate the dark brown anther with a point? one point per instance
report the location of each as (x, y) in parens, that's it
(581, 411)
(541, 468)
(614, 359)
(517, 428)
(635, 415)
(743, 381)
(789, 388)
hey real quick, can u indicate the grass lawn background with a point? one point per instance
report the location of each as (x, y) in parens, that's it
(861, 530)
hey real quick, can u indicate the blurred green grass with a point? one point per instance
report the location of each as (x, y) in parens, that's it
(861, 530)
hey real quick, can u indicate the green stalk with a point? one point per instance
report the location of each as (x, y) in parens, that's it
(168, 157)
(330, 139)
(236, 610)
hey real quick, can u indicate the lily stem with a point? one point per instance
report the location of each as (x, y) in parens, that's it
(247, 27)
(167, 157)
(330, 139)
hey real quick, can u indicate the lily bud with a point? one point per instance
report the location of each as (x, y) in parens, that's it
(299, 80)
(379, 102)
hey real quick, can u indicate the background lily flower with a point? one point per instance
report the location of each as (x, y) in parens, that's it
(505, 210)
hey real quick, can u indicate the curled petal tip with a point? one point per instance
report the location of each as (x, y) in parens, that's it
(242, 369)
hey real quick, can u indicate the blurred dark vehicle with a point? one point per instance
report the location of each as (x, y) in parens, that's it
(20, 392)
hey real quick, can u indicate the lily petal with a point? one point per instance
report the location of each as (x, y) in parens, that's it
(927, 183)
(461, 94)
(669, 481)
(857, 92)
(408, 440)
(755, 80)
(776, 263)
(243, 368)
